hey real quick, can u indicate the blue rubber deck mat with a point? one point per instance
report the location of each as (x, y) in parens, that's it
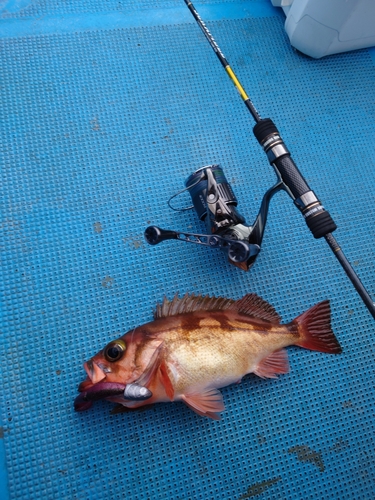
(106, 108)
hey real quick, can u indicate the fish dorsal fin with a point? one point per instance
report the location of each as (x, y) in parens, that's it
(190, 303)
(253, 305)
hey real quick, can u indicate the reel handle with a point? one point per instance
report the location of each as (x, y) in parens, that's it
(239, 251)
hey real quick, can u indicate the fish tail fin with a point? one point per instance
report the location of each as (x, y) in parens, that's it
(314, 329)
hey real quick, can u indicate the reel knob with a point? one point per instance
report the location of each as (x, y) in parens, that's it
(155, 235)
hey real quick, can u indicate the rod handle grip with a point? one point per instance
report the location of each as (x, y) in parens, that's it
(317, 218)
(269, 138)
(291, 176)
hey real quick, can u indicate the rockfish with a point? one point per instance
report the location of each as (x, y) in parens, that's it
(195, 346)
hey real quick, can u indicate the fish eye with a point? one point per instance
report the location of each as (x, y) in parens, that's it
(115, 350)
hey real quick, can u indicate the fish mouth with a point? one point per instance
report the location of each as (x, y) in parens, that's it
(90, 393)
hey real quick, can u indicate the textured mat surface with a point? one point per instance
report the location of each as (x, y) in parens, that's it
(98, 130)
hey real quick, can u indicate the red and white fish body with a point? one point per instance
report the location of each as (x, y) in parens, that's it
(197, 345)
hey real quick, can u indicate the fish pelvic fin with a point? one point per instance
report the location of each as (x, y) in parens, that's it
(273, 365)
(207, 404)
(314, 329)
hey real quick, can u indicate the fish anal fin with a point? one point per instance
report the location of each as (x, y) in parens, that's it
(206, 404)
(166, 381)
(273, 365)
(253, 305)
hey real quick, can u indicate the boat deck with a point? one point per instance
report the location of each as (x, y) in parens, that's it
(107, 107)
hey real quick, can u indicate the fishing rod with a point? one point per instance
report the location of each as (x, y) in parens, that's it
(215, 202)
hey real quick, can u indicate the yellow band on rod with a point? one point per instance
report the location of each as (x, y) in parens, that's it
(233, 77)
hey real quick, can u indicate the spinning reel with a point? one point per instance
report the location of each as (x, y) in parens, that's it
(215, 203)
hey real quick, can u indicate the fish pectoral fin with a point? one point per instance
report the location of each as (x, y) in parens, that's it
(152, 367)
(206, 404)
(166, 381)
(273, 365)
